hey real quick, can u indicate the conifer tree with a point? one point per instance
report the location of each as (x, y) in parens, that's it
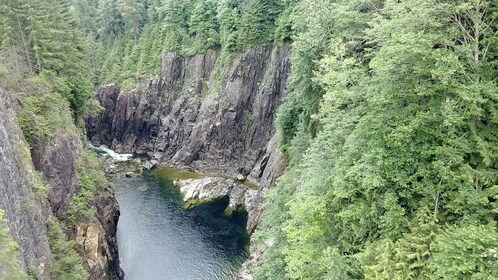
(133, 13)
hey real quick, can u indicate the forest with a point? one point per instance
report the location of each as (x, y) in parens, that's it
(390, 126)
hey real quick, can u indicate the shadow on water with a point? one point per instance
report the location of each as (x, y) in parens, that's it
(206, 216)
(159, 239)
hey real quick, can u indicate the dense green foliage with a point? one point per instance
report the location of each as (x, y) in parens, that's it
(42, 39)
(9, 259)
(390, 125)
(128, 36)
(67, 262)
(45, 70)
(91, 181)
(392, 132)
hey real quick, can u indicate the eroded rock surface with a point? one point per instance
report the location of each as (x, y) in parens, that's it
(54, 160)
(87, 239)
(214, 188)
(108, 214)
(23, 211)
(204, 116)
(198, 114)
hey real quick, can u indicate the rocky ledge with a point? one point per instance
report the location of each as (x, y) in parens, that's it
(241, 198)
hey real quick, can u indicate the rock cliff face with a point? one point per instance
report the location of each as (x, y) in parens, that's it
(203, 115)
(200, 114)
(54, 160)
(23, 211)
(97, 243)
(108, 214)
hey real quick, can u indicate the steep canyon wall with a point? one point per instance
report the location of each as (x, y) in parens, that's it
(51, 162)
(202, 114)
(22, 211)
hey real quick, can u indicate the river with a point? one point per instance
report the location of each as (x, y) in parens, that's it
(158, 239)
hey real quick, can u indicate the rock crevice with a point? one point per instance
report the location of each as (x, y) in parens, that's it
(27, 209)
(23, 210)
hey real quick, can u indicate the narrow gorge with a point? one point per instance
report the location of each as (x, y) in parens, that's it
(248, 139)
(201, 115)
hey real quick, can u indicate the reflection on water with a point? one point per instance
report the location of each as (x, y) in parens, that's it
(158, 239)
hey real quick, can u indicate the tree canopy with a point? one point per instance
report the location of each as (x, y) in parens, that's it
(391, 131)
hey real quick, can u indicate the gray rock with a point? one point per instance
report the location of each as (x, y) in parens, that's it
(26, 214)
(213, 188)
(193, 114)
(211, 120)
(147, 165)
(110, 169)
(22, 211)
(205, 189)
(241, 177)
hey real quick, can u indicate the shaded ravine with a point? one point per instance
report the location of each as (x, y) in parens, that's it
(158, 239)
(202, 114)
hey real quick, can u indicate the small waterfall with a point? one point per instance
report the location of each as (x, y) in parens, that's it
(115, 156)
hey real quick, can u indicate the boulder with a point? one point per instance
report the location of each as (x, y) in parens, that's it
(208, 189)
(147, 165)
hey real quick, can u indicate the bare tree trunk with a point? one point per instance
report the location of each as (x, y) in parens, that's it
(25, 45)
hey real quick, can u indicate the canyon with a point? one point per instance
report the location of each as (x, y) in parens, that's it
(205, 115)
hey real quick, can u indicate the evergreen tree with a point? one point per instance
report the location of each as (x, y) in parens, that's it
(9, 259)
(466, 252)
(133, 13)
(204, 27)
(404, 127)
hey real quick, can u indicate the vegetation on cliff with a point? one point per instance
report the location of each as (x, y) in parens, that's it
(42, 46)
(391, 131)
(9, 267)
(390, 125)
(127, 37)
(45, 70)
(67, 263)
(91, 180)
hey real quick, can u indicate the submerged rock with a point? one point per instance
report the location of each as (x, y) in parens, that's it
(143, 188)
